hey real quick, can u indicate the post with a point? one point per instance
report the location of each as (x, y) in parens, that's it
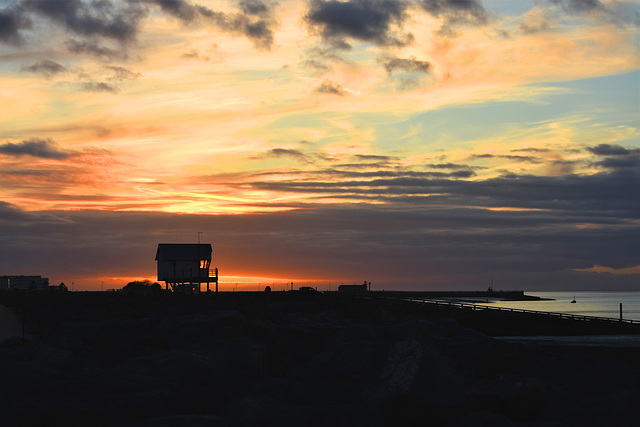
(621, 312)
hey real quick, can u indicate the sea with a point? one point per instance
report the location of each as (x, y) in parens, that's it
(600, 304)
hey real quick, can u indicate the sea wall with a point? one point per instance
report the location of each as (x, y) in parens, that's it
(10, 324)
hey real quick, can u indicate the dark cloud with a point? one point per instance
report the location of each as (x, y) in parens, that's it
(113, 20)
(319, 59)
(609, 150)
(407, 65)
(450, 166)
(192, 54)
(46, 68)
(531, 150)
(631, 162)
(12, 22)
(212, 54)
(181, 9)
(620, 13)
(42, 148)
(284, 152)
(405, 73)
(616, 156)
(328, 87)
(473, 8)
(99, 87)
(579, 6)
(10, 212)
(255, 7)
(537, 22)
(530, 159)
(456, 12)
(461, 174)
(93, 48)
(359, 165)
(119, 22)
(374, 21)
(50, 69)
(255, 20)
(121, 74)
(602, 193)
(372, 157)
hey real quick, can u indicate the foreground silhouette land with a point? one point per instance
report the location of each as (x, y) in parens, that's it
(294, 359)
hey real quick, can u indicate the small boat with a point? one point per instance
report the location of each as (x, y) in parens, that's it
(573, 301)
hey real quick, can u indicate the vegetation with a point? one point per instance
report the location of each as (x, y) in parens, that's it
(142, 287)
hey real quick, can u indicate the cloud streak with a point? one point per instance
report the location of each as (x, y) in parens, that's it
(41, 148)
(46, 68)
(454, 13)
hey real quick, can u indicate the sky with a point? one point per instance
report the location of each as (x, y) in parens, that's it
(414, 144)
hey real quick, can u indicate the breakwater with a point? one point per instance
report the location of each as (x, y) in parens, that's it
(295, 358)
(500, 321)
(459, 295)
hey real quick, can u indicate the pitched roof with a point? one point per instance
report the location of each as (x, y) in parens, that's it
(183, 251)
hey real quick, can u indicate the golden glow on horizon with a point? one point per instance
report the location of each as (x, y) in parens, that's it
(227, 283)
(512, 209)
(601, 269)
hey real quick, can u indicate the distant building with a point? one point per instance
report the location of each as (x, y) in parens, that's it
(355, 288)
(24, 283)
(185, 266)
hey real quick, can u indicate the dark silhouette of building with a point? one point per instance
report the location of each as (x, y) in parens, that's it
(185, 266)
(24, 283)
(355, 288)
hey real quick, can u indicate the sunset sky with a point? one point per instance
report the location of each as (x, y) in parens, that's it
(417, 144)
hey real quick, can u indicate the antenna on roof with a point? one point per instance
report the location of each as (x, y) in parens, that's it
(199, 233)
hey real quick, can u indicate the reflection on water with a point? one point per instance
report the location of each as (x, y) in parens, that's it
(601, 304)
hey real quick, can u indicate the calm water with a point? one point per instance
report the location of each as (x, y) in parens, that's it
(601, 304)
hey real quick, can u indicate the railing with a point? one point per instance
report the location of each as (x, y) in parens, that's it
(480, 307)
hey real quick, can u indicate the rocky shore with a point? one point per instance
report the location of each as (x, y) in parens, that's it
(292, 359)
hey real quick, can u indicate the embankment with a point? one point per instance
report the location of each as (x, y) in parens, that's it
(290, 359)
